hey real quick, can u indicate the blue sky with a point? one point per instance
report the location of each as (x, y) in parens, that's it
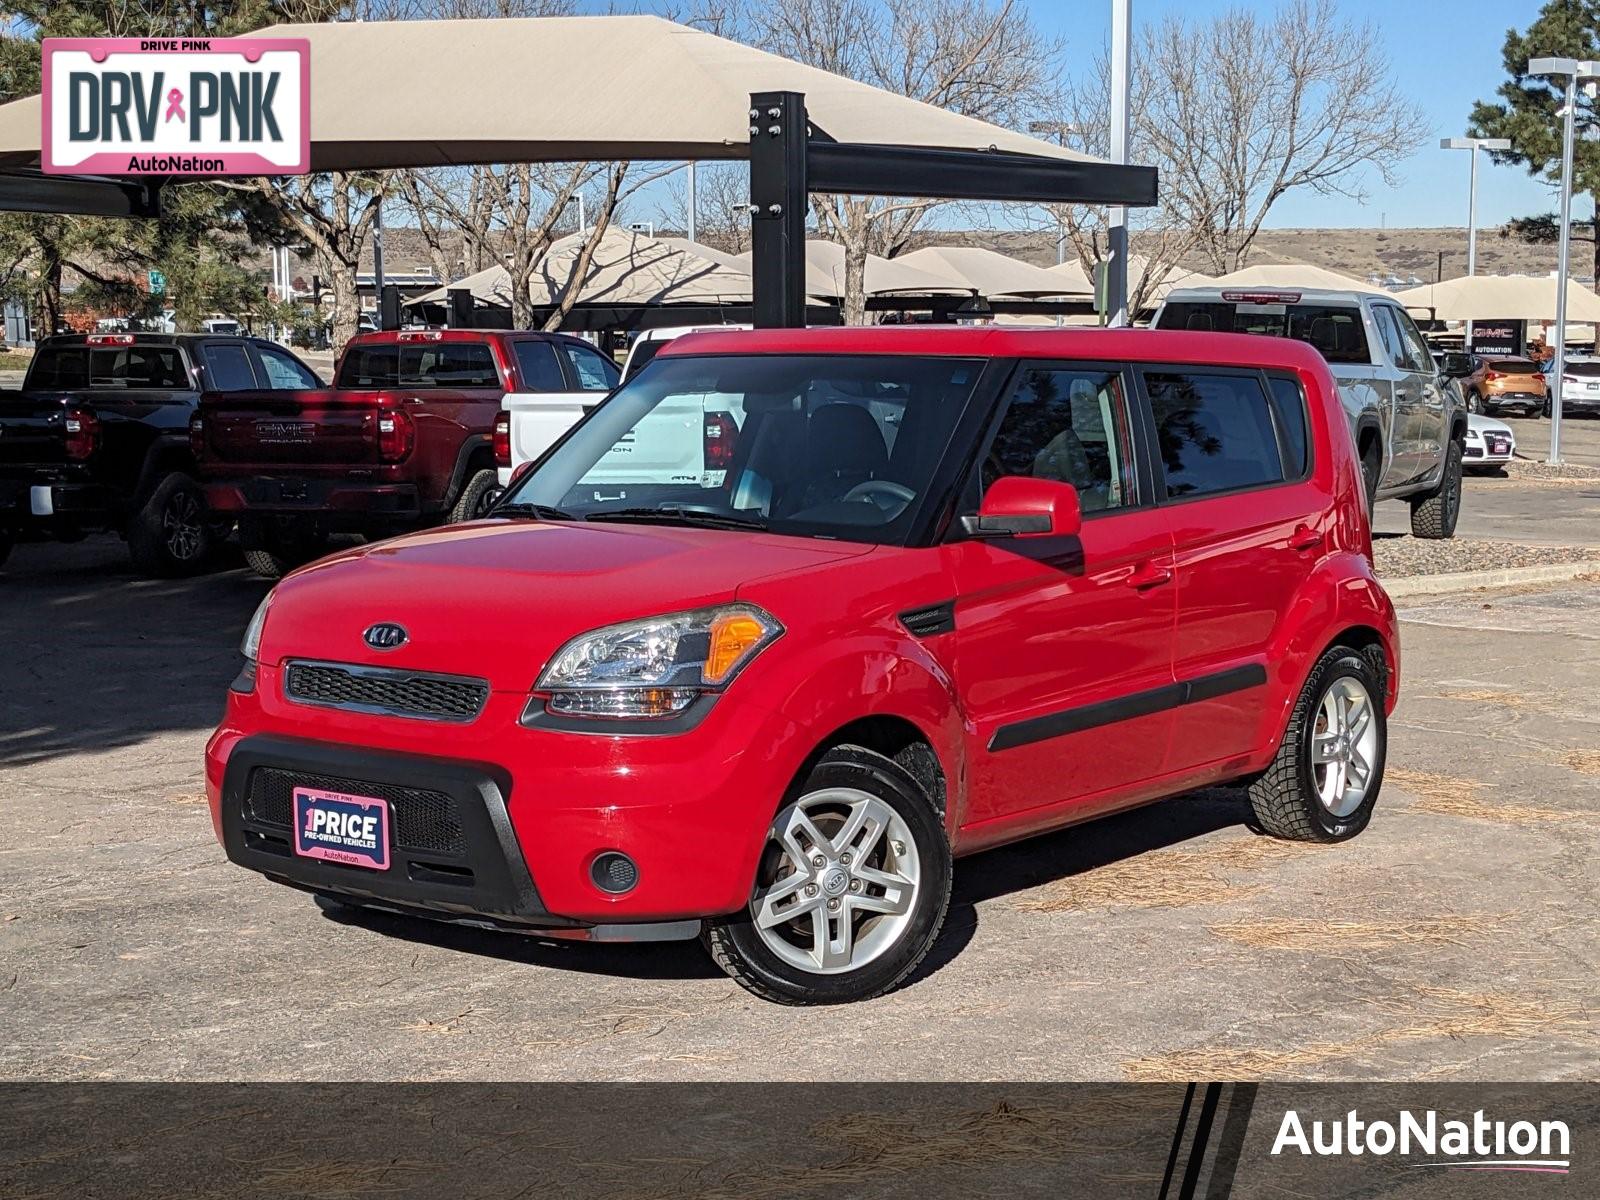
(1447, 54)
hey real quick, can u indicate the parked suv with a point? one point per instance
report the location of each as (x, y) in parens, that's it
(98, 439)
(406, 437)
(957, 587)
(1408, 428)
(1499, 382)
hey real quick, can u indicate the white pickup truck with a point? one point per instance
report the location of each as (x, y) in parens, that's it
(705, 430)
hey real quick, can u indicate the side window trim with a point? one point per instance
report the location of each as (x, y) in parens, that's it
(1292, 472)
(1158, 467)
(971, 490)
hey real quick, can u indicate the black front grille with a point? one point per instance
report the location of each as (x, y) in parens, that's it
(422, 819)
(379, 689)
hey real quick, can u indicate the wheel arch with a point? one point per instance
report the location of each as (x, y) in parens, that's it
(476, 453)
(898, 739)
(167, 454)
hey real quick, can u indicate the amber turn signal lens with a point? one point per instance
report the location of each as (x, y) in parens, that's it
(733, 635)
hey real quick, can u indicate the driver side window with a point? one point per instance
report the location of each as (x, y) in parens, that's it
(1070, 426)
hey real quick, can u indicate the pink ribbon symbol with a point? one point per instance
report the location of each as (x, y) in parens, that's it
(175, 105)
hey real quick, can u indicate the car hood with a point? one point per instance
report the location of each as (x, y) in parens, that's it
(1480, 424)
(495, 599)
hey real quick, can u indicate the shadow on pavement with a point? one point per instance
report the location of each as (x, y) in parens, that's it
(92, 656)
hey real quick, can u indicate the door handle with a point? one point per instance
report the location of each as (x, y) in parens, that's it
(1149, 575)
(1305, 538)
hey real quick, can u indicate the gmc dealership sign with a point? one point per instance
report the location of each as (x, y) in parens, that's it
(177, 106)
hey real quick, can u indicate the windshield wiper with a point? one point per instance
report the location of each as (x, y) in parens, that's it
(543, 512)
(677, 514)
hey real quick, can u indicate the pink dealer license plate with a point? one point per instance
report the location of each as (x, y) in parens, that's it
(335, 827)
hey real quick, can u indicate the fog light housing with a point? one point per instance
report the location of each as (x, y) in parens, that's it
(614, 873)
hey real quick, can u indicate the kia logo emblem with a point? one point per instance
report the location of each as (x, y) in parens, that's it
(385, 635)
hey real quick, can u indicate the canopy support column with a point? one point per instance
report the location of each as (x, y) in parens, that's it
(779, 196)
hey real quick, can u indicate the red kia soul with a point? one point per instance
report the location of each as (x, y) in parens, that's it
(950, 588)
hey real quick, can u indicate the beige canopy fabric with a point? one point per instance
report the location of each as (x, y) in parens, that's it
(537, 89)
(884, 276)
(628, 268)
(1303, 275)
(1501, 297)
(1138, 267)
(992, 274)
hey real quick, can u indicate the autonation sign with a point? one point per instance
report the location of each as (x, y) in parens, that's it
(177, 106)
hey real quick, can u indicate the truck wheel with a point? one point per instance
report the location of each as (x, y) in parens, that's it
(272, 552)
(171, 534)
(1371, 470)
(477, 496)
(1474, 402)
(850, 892)
(1434, 515)
(1324, 782)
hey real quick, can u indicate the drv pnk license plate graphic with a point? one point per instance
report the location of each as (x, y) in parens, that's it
(340, 828)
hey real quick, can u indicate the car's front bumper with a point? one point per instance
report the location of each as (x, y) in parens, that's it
(534, 808)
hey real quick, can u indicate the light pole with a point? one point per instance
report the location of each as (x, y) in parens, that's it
(1474, 145)
(1059, 131)
(1117, 233)
(1574, 70)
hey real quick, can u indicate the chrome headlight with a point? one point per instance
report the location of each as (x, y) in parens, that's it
(657, 666)
(251, 646)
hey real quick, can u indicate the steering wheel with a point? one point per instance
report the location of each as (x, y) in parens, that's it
(888, 495)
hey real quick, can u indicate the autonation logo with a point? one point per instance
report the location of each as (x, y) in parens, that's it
(1476, 1145)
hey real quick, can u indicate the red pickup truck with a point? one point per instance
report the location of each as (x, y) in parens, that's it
(406, 437)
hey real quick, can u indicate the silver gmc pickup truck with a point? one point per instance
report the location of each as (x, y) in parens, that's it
(1408, 422)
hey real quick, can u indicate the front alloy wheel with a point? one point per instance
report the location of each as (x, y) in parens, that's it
(851, 888)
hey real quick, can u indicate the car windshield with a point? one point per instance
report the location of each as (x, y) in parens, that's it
(811, 446)
(1334, 329)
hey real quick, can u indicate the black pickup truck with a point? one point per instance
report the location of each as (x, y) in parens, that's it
(98, 439)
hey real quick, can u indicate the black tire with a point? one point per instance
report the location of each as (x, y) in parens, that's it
(1474, 402)
(170, 534)
(738, 947)
(1372, 469)
(1285, 797)
(1435, 515)
(478, 494)
(272, 552)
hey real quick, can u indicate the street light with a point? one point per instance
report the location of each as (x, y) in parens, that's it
(1059, 131)
(1574, 70)
(1474, 145)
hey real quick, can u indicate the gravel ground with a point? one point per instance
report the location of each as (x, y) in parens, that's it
(1398, 556)
(1529, 470)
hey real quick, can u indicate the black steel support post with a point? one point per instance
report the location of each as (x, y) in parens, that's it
(778, 202)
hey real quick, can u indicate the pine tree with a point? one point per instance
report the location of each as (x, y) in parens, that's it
(1528, 108)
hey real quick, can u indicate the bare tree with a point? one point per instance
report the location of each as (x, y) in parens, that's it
(1243, 109)
(722, 206)
(982, 58)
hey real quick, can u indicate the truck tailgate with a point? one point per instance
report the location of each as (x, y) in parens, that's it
(305, 428)
(32, 430)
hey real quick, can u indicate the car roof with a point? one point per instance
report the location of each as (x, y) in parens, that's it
(962, 341)
(1314, 295)
(380, 337)
(148, 337)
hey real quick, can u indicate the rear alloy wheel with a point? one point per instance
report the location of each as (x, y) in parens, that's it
(851, 892)
(1434, 515)
(171, 534)
(478, 496)
(1474, 402)
(1325, 780)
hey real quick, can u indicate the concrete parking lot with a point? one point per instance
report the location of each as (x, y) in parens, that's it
(1453, 940)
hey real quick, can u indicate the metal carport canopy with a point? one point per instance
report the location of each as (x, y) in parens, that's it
(557, 89)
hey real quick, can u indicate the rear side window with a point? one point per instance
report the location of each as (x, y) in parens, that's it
(1070, 426)
(284, 371)
(595, 372)
(1334, 329)
(1215, 432)
(539, 368)
(1289, 405)
(228, 369)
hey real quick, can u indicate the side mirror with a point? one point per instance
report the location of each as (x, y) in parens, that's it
(1456, 366)
(1021, 506)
